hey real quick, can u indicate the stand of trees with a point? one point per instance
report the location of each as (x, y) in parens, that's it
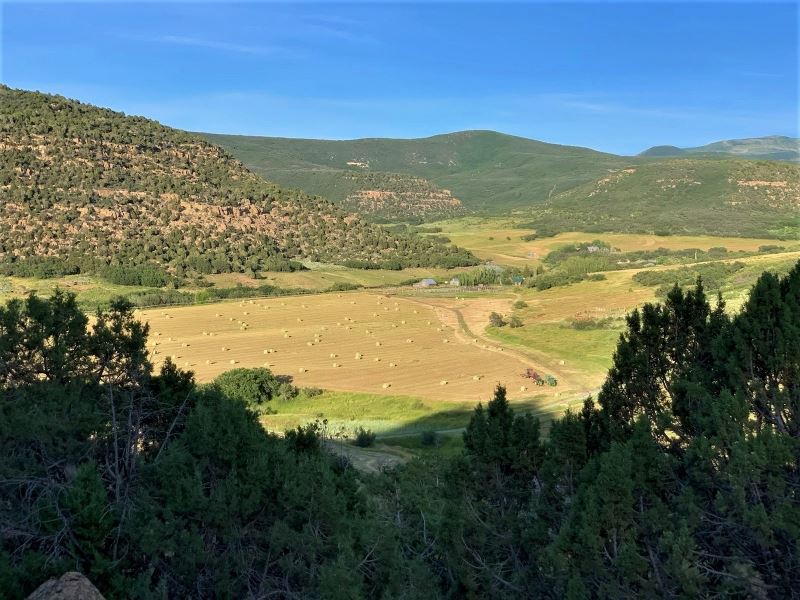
(680, 481)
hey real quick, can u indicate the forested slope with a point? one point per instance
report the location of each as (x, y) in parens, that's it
(488, 172)
(684, 196)
(84, 186)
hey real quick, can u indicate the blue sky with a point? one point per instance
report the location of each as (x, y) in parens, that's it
(618, 77)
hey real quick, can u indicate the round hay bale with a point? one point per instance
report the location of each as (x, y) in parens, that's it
(174, 357)
(230, 318)
(374, 314)
(286, 335)
(157, 333)
(476, 377)
(522, 388)
(368, 332)
(309, 343)
(394, 326)
(186, 363)
(301, 370)
(217, 315)
(335, 365)
(386, 386)
(339, 323)
(392, 365)
(409, 341)
(266, 351)
(184, 345)
(247, 313)
(439, 329)
(443, 382)
(224, 349)
(211, 334)
(233, 362)
(445, 341)
(402, 322)
(415, 312)
(358, 355)
(169, 339)
(561, 362)
(377, 359)
(334, 355)
(429, 322)
(377, 343)
(299, 320)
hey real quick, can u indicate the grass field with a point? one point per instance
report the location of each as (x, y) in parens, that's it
(90, 291)
(498, 240)
(321, 277)
(351, 342)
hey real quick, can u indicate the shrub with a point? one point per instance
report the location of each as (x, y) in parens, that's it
(515, 322)
(284, 265)
(429, 439)
(254, 387)
(496, 320)
(520, 304)
(364, 438)
(312, 392)
(144, 275)
(344, 286)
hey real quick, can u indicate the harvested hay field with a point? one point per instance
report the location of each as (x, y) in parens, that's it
(299, 336)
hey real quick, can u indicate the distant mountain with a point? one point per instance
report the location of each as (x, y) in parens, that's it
(773, 147)
(486, 171)
(84, 188)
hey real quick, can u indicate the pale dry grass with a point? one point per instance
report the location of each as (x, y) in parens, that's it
(338, 324)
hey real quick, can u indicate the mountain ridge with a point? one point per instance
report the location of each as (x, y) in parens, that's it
(770, 147)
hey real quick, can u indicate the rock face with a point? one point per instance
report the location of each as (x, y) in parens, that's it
(70, 586)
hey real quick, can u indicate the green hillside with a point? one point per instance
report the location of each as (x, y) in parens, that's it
(488, 172)
(684, 196)
(774, 147)
(86, 188)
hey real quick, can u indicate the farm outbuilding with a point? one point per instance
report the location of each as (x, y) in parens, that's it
(424, 283)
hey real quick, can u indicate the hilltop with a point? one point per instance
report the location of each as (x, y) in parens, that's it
(773, 147)
(488, 172)
(684, 196)
(85, 187)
